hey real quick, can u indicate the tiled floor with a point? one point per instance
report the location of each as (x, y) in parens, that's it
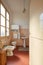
(19, 58)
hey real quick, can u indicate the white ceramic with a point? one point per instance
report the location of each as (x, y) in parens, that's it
(14, 43)
(24, 38)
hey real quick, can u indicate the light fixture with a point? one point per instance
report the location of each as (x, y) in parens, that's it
(24, 7)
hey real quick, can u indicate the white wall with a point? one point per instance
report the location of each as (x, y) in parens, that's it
(21, 19)
(36, 33)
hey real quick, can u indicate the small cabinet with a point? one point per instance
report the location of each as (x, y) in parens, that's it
(2, 57)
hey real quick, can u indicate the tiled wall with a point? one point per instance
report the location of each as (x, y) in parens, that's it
(23, 32)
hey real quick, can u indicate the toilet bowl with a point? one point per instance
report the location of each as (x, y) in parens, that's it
(10, 50)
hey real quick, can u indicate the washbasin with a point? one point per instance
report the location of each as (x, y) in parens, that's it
(24, 38)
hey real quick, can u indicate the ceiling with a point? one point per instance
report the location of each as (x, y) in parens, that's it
(17, 5)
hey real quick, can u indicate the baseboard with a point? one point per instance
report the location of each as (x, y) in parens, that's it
(21, 46)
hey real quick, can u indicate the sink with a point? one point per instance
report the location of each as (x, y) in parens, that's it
(24, 38)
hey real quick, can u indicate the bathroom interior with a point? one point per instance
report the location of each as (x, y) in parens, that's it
(14, 32)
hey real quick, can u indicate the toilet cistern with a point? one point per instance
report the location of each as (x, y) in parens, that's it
(13, 44)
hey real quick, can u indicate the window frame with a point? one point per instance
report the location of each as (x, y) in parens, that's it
(5, 21)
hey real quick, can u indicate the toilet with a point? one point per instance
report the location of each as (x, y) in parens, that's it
(10, 50)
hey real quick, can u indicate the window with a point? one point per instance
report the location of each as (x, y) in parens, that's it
(2, 31)
(7, 32)
(41, 20)
(2, 10)
(4, 24)
(2, 21)
(7, 23)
